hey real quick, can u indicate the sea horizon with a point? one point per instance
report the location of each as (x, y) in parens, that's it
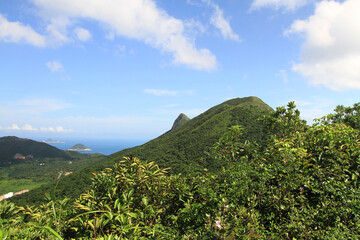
(103, 146)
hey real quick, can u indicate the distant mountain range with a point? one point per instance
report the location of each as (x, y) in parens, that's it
(182, 148)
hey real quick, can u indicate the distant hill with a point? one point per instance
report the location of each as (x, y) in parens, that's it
(181, 148)
(10, 146)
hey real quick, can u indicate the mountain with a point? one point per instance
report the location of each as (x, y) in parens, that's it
(180, 120)
(181, 148)
(10, 146)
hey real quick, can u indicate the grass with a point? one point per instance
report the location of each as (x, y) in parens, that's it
(15, 185)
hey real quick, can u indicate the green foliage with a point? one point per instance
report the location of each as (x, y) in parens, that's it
(346, 115)
(285, 121)
(43, 222)
(232, 147)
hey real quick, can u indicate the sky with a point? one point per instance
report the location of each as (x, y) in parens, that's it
(120, 69)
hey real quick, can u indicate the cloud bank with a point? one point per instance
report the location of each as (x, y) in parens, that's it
(142, 20)
(331, 52)
(137, 19)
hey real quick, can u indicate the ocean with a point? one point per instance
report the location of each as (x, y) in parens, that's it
(106, 147)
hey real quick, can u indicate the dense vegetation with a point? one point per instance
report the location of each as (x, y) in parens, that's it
(302, 184)
(181, 149)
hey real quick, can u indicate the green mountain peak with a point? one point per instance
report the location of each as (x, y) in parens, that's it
(180, 120)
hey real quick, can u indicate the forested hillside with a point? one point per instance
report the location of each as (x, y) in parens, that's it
(181, 149)
(302, 183)
(10, 146)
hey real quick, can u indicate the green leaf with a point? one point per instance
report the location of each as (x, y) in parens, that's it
(145, 201)
(52, 231)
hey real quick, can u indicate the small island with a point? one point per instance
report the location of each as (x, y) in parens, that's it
(79, 147)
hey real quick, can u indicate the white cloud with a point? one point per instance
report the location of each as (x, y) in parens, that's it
(218, 20)
(16, 32)
(28, 127)
(82, 34)
(288, 5)
(160, 92)
(58, 129)
(12, 127)
(57, 31)
(194, 27)
(136, 19)
(331, 53)
(55, 66)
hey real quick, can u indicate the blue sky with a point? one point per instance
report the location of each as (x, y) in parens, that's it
(126, 69)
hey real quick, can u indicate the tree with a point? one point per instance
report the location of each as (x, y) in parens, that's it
(285, 121)
(346, 115)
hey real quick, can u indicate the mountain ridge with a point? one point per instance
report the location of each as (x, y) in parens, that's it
(181, 149)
